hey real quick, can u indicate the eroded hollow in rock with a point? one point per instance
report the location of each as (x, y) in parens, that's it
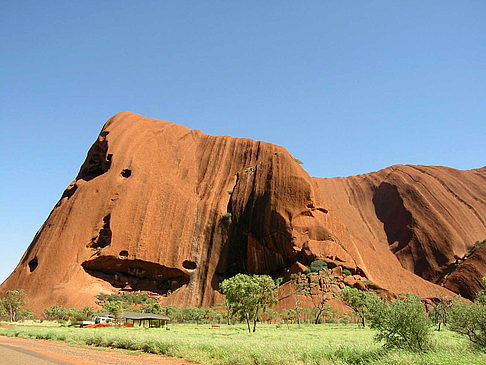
(126, 173)
(189, 265)
(123, 254)
(68, 193)
(33, 264)
(104, 236)
(396, 219)
(98, 160)
(70, 190)
(132, 275)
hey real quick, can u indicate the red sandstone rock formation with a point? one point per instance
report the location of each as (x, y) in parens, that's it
(428, 216)
(158, 207)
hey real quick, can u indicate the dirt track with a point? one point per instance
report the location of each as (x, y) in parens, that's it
(19, 351)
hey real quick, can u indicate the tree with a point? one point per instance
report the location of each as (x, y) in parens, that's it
(83, 314)
(152, 306)
(401, 323)
(173, 312)
(116, 308)
(317, 287)
(470, 319)
(3, 312)
(12, 304)
(271, 315)
(249, 295)
(439, 313)
(359, 301)
(481, 297)
(56, 313)
(288, 315)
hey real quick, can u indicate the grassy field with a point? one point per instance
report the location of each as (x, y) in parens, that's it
(310, 344)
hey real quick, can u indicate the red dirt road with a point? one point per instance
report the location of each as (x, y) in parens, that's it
(19, 351)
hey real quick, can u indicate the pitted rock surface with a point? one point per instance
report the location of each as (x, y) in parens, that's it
(160, 208)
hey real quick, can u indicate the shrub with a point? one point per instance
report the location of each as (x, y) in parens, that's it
(470, 319)
(12, 304)
(3, 313)
(361, 302)
(83, 314)
(56, 313)
(317, 265)
(227, 216)
(401, 323)
(25, 314)
(476, 246)
(346, 272)
(300, 162)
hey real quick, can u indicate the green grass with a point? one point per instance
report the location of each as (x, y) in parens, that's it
(310, 344)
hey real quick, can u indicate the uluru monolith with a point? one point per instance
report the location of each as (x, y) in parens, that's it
(159, 208)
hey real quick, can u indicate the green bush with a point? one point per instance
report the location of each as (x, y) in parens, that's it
(83, 314)
(346, 272)
(227, 216)
(401, 323)
(11, 306)
(56, 313)
(361, 302)
(476, 246)
(127, 298)
(470, 319)
(317, 265)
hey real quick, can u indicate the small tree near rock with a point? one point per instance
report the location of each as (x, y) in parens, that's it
(470, 319)
(249, 295)
(12, 304)
(401, 323)
(359, 301)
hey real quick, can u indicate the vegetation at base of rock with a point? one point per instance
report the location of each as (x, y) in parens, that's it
(470, 319)
(401, 323)
(315, 287)
(248, 296)
(11, 306)
(346, 272)
(439, 312)
(361, 302)
(225, 345)
(317, 265)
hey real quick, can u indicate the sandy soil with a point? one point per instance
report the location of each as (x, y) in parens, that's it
(17, 351)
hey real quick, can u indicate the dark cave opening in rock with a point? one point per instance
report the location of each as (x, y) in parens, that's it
(98, 160)
(126, 173)
(33, 264)
(104, 236)
(134, 275)
(189, 265)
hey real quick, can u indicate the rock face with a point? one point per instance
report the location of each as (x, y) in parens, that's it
(428, 216)
(158, 207)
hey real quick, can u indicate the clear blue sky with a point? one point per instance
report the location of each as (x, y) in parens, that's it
(346, 86)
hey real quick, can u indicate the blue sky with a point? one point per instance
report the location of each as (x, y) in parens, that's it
(346, 86)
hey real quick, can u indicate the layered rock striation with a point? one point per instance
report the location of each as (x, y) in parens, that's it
(159, 208)
(428, 216)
